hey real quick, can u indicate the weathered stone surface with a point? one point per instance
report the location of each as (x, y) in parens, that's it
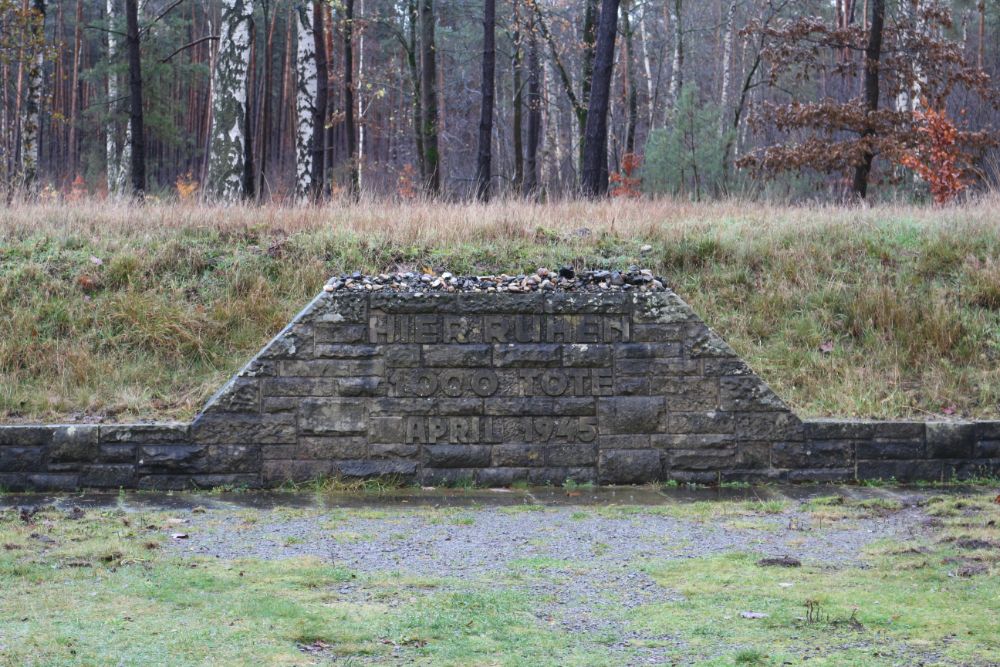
(813, 454)
(629, 466)
(457, 456)
(950, 440)
(630, 414)
(614, 378)
(332, 415)
(73, 444)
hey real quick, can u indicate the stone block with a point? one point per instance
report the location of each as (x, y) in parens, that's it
(332, 416)
(240, 395)
(753, 455)
(773, 426)
(360, 386)
(828, 475)
(890, 449)
(25, 436)
(538, 406)
(73, 443)
(457, 456)
(331, 447)
(627, 385)
(687, 394)
(147, 434)
(901, 471)
(709, 421)
(378, 468)
(295, 342)
(299, 386)
(586, 354)
(527, 354)
(575, 455)
(549, 476)
(838, 429)
(386, 429)
(661, 308)
(401, 355)
(341, 333)
(950, 440)
(988, 430)
(518, 456)
(339, 308)
(457, 355)
(702, 458)
(629, 414)
(647, 351)
(448, 476)
(629, 466)
(813, 454)
(393, 451)
(496, 477)
(116, 453)
(343, 351)
(899, 430)
(108, 476)
(747, 393)
(971, 469)
(277, 472)
(660, 333)
(987, 449)
(661, 368)
(627, 441)
(574, 303)
(52, 481)
(725, 366)
(164, 459)
(704, 342)
(488, 303)
(22, 459)
(413, 302)
(338, 368)
(210, 481)
(223, 429)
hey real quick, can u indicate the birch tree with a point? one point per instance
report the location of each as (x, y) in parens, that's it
(305, 102)
(230, 136)
(32, 104)
(118, 153)
(677, 68)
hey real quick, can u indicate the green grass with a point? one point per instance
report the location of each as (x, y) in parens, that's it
(183, 296)
(104, 589)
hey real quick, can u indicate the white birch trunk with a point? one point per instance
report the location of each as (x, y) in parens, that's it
(305, 102)
(676, 72)
(118, 155)
(357, 93)
(229, 102)
(646, 66)
(727, 60)
(32, 116)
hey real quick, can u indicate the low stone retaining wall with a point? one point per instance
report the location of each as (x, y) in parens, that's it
(616, 385)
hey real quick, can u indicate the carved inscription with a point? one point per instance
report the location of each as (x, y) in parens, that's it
(485, 382)
(430, 329)
(470, 430)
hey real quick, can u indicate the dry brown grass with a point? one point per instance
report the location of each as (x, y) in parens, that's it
(909, 296)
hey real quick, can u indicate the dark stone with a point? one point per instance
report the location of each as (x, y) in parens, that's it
(240, 395)
(339, 308)
(337, 351)
(162, 459)
(987, 449)
(774, 426)
(901, 471)
(629, 466)
(381, 468)
(950, 440)
(235, 429)
(828, 475)
(527, 354)
(813, 454)
(22, 459)
(457, 355)
(715, 458)
(838, 429)
(147, 434)
(295, 342)
(329, 448)
(401, 356)
(747, 393)
(393, 451)
(73, 443)
(359, 386)
(108, 476)
(50, 481)
(586, 354)
(577, 303)
(580, 454)
(687, 394)
(518, 456)
(457, 456)
(559, 476)
(25, 436)
(500, 477)
(711, 421)
(629, 414)
(890, 449)
(332, 415)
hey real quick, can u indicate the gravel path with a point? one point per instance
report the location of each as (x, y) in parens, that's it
(584, 566)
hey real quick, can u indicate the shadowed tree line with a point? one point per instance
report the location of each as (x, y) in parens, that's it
(312, 99)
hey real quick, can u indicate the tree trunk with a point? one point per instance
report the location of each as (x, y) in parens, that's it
(417, 102)
(650, 98)
(677, 69)
(30, 145)
(306, 64)
(74, 98)
(352, 149)
(136, 119)
(727, 61)
(250, 87)
(873, 53)
(428, 89)
(594, 180)
(360, 102)
(517, 104)
(116, 166)
(485, 154)
(530, 185)
(230, 142)
(319, 139)
(631, 86)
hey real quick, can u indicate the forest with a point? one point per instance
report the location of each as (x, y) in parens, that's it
(292, 101)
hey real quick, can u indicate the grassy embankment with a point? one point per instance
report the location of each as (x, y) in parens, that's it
(103, 587)
(130, 313)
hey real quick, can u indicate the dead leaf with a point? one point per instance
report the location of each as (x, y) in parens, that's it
(826, 347)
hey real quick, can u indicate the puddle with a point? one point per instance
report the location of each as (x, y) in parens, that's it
(413, 497)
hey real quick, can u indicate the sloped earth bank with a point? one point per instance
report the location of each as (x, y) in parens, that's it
(632, 577)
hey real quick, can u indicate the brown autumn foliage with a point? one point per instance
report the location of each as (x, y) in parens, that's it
(938, 159)
(917, 63)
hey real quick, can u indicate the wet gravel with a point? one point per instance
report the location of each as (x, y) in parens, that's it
(582, 565)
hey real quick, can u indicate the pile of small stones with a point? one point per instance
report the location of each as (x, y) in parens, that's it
(565, 279)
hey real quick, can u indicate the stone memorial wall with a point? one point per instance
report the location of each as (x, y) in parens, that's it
(613, 384)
